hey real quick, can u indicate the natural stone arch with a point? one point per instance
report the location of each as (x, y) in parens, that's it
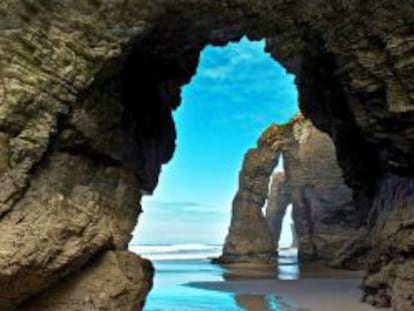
(325, 217)
(324, 212)
(249, 239)
(58, 59)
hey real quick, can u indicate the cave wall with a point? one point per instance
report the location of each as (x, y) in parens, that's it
(86, 94)
(390, 278)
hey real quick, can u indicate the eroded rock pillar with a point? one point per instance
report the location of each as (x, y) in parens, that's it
(249, 238)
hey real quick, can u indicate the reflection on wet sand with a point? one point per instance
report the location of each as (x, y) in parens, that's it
(249, 271)
(288, 264)
(282, 288)
(251, 302)
(287, 268)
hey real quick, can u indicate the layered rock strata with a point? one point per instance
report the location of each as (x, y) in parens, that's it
(113, 281)
(91, 85)
(390, 277)
(249, 239)
(324, 213)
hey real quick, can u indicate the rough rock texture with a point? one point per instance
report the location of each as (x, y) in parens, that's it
(249, 239)
(93, 83)
(114, 281)
(324, 212)
(391, 276)
(323, 209)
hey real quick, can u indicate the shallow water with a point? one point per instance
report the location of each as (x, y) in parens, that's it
(177, 266)
(172, 290)
(171, 293)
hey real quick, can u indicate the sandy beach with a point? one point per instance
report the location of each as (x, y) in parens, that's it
(311, 294)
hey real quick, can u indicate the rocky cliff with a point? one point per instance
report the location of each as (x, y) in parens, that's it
(325, 216)
(86, 94)
(324, 212)
(390, 277)
(249, 239)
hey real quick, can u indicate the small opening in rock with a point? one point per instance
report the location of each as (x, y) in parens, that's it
(279, 168)
(288, 248)
(279, 216)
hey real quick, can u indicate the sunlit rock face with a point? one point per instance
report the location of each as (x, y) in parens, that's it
(323, 209)
(86, 94)
(326, 220)
(249, 239)
(116, 280)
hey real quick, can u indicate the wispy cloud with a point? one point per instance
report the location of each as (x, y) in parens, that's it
(168, 204)
(219, 72)
(181, 206)
(222, 63)
(240, 84)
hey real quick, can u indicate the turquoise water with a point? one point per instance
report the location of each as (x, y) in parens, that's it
(179, 265)
(171, 291)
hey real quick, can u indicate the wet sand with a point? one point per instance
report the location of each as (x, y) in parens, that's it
(313, 287)
(313, 294)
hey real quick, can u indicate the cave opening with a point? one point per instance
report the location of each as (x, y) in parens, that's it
(155, 68)
(278, 212)
(236, 93)
(288, 247)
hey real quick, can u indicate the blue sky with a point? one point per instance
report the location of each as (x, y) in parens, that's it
(238, 91)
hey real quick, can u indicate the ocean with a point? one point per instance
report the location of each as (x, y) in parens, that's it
(178, 266)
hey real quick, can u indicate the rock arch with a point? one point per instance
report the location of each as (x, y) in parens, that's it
(76, 135)
(325, 216)
(249, 239)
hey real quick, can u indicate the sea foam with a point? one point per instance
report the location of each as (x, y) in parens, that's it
(177, 251)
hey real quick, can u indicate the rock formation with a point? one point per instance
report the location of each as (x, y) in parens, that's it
(279, 197)
(87, 89)
(249, 239)
(114, 281)
(323, 209)
(390, 277)
(324, 213)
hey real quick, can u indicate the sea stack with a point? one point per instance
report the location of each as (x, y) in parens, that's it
(324, 212)
(249, 239)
